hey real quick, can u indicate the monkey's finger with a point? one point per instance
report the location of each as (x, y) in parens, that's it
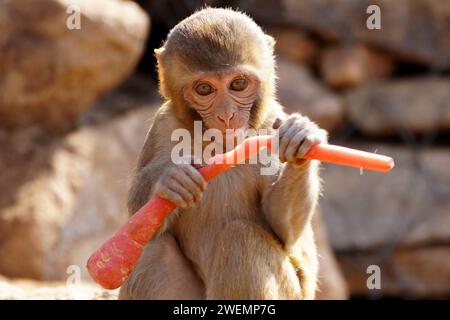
(277, 123)
(172, 196)
(286, 126)
(191, 160)
(285, 140)
(309, 141)
(175, 186)
(294, 145)
(189, 184)
(196, 176)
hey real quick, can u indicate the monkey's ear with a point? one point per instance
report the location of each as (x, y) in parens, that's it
(159, 53)
(270, 41)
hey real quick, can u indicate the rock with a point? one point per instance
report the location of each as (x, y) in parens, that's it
(294, 45)
(408, 207)
(417, 105)
(137, 91)
(412, 273)
(415, 30)
(60, 199)
(50, 74)
(331, 284)
(269, 12)
(37, 290)
(298, 91)
(351, 66)
(398, 221)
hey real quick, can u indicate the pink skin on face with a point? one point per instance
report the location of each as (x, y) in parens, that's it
(224, 101)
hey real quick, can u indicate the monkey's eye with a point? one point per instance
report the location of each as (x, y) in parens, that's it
(203, 89)
(238, 84)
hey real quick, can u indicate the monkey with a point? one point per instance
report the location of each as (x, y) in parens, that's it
(242, 235)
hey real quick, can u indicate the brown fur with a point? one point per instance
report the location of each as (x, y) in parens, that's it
(250, 237)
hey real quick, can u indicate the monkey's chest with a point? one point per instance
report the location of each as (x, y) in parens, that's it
(232, 196)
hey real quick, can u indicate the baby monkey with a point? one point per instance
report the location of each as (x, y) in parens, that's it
(243, 235)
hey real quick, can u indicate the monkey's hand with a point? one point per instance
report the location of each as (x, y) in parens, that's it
(182, 184)
(295, 191)
(296, 136)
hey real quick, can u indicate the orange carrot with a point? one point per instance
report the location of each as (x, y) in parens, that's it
(350, 157)
(112, 263)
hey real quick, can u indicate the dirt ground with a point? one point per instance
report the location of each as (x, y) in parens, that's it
(58, 290)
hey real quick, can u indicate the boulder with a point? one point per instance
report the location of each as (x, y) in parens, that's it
(415, 30)
(294, 45)
(49, 73)
(60, 198)
(299, 91)
(269, 12)
(407, 207)
(422, 272)
(398, 221)
(331, 282)
(417, 105)
(352, 65)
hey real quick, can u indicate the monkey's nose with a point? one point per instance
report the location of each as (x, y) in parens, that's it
(226, 118)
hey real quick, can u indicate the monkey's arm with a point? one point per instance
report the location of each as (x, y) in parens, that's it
(289, 202)
(144, 182)
(290, 199)
(158, 175)
(153, 159)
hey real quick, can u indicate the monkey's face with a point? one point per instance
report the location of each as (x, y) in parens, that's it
(224, 101)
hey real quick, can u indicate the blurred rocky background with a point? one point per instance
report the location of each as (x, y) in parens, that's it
(75, 106)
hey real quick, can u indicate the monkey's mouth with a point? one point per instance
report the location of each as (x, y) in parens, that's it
(232, 134)
(231, 138)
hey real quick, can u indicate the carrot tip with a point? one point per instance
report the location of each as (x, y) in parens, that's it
(391, 164)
